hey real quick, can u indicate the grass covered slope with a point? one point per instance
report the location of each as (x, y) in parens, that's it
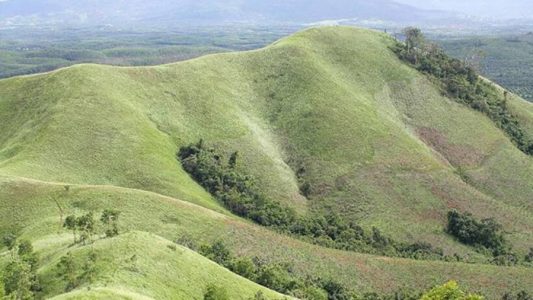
(168, 219)
(139, 265)
(333, 108)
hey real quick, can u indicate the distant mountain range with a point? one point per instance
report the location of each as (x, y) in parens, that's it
(156, 12)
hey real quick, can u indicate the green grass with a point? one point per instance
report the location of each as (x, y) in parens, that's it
(137, 265)
(38, 218)
(378, 141)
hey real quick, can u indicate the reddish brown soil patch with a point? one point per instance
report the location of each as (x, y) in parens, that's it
(457, 155)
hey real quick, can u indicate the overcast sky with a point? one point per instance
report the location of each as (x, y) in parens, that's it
(490, 8)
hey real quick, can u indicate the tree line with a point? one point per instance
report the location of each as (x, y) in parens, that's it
(282, 278)
(239, 193)
(460, 81)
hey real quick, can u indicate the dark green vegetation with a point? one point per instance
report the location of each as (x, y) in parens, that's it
(32, 50)
(238, 193)
(326, 122)
(282, 278)
(460, 81)
(508, 60)
(485, 233)
(19, 276)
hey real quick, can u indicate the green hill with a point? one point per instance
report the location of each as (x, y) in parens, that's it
(332, 108)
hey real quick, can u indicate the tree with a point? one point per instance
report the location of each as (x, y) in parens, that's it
(89, 268)
(244, 267)
(336, 291)
(475, 59)
(18, 280)
(214, 292)
(71, 223)
(110, 220)
(414, 41)
(529, 256)
(449, 291)
(10, 241)
(86, 226)
(67, 269)
(233, 159)
(218, 252)
(485, 233)
(523, 295)
(25, 248)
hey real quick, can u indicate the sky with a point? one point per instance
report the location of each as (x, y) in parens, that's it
(483, 8)
(216, 11)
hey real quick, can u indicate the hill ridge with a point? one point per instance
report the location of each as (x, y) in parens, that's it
(326, 121)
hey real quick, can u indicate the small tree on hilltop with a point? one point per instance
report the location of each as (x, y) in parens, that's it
(110, 220)
(414, 41)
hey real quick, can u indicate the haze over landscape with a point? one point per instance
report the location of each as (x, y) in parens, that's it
(255, 11)
(266, 150)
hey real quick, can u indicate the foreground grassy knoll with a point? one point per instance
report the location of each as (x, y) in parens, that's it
(167, 219)
(332, 109)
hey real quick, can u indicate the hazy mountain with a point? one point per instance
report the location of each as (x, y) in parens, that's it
(207, 11)
(484, 8)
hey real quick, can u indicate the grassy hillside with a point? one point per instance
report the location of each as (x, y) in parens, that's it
(332, 107)
(38, 218)
(143, 266)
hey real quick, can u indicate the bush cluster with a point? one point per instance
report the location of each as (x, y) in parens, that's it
(281, 277)
(462, 82)
(276, 276)
(485, 235)
(75, 272)
(20, 279)
(238, 192)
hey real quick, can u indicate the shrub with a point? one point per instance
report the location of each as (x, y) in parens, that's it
(529, 256)
(218, 252)
(449, 291)
(244, 267)
(276, 277)
(336, 291)
(18, 280)
(9, 240)
(214, 292)
(67, 269)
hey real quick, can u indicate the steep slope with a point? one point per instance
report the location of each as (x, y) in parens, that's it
(329, 107)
